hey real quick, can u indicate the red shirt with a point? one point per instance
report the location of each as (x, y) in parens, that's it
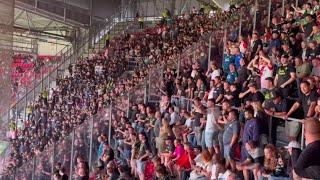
(184, 161)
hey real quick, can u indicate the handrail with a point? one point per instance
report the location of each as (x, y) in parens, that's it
(89, 38)
(239, 109)
(66, 49)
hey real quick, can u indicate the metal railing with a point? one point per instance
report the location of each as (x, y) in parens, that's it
(186, 103)
(103, 121)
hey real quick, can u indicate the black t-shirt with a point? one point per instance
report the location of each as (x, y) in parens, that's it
(281, 107)
(258, 96)
(312, 53)
(255, 46)
(305, 101)
(269, 94)
(283, 73)
(243, 75)
(253, 96)
(307, 164)
(235, 101)
(217, 92)
(308, 28)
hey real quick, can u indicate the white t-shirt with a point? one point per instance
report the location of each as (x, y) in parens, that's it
(210, 94)
(188, 122)
(211, 121)
(214, 74)
(225, 175)
(174, 117)
(213, 171)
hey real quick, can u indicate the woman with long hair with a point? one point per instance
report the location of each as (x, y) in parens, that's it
(274, 166)
(202, 168)
(165, 132)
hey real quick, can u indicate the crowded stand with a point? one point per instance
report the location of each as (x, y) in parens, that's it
(218, 116)
(26, 69)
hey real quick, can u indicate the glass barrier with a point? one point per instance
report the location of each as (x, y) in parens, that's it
(83, 140)
(63, 153)
(25, 171)
(43, 163)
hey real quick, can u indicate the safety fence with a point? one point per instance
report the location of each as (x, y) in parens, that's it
(83, 140)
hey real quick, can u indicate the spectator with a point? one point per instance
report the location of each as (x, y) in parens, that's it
(230, 138)
(307, 99)
(306, 165)
(253, 162)
(285, 76)
(211, 128)
(251, 131)
(274, 164)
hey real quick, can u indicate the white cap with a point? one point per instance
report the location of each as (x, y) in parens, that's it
(293, 144)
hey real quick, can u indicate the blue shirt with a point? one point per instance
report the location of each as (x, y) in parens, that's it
(231, 77)
(274, 43)
(251, 131)
(237, 59)
(227, 60)
(100, 150)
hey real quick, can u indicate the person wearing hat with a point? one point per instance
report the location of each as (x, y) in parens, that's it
(307, 164)
(252, 93)
(293, 147)
(285, 76)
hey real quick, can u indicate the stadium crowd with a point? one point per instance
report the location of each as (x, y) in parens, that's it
(269, 72)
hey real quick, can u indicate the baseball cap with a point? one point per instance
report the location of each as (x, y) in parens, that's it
(293, 144)
(285, 56)
(277, 93)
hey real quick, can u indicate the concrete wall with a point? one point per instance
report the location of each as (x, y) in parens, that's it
(105, 8)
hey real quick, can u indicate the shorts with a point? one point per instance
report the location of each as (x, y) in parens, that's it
(211, 139)
(226, 151)
(141, 166)
(292, 128)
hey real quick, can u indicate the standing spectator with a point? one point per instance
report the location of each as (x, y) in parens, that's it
(243, 73)
(307, 27)
(256, 45)
(269, 92)
(232, 74)
(252, 93)
(278, 108)
(216, 91)
(315, 68)
(143, 154)
(230, 137)
(307, 99)
(274, 42)
(211, 128)
(237, 57)
(250, 131)
(285, 76)
(307, 164)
